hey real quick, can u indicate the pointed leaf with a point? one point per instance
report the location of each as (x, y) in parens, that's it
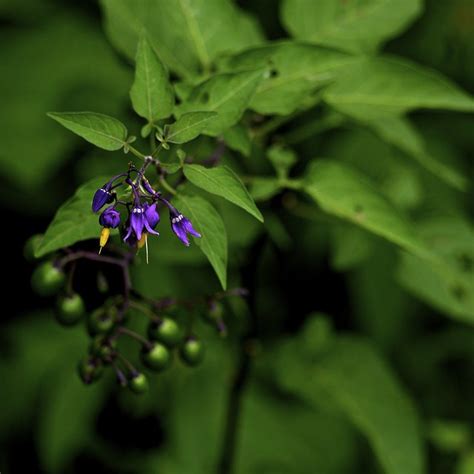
(207, 221)
(101, 130)
(223, 182)
(189, 126)
(341, 191)
(152, 95)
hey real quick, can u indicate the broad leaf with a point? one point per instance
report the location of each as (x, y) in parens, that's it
(74, 221)
(297, 71)
(356, 26)
(223, 182)
(187, 34)
(101, 130)
(401, 133)
(208, 223)
(341, 191)
(353, 376)
(372, 88)
(226, 94)
(152, 95)
(451, 291)
(189, 126)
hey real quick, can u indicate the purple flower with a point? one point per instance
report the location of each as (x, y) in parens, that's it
(110, 218)
(101, 197)
(147, 187)
(182, 226)
(139, 223)
(151, 214)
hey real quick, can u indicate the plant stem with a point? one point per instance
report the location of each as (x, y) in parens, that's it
(136, 152)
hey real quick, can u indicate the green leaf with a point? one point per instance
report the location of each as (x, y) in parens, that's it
(226, 94)
(450, 291)
(358, 381)
(189, 126)
(151, 93)
(400, 132)
(223, 182)
(237, 138)
(341, 191)
(187, 34)
(74, 221)
(101, 130)
(298, 71)
(352, 26)
(372, 88)
(208, 223)
(264, 188)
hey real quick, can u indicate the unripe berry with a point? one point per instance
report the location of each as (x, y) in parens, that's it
(47, 279)
(30, 246)
(192, 351)
(101, 321)
(157, 358)
(138, 383)
(69, 309)
(89, 370)
(166, 331)
(102, 347)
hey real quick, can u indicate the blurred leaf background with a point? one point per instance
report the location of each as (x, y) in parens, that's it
(364, 361)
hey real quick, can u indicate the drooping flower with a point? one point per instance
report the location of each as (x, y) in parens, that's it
(182, 226)
(138, 222)
(110, 218)
(104, 195)
(151, 214)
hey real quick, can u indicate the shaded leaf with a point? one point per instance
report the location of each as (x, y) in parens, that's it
(352, 26)
(182, 31)
(74, 221)
(226, 94)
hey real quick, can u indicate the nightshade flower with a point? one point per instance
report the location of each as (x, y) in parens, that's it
(139, 223)
(102, 196)
(182, 226)
(110, 218)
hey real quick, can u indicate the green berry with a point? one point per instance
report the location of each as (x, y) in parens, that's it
(192, 351)
(89, 370)
(102, 347)
(69, 309)
(216, 310)
(138, 383)
(101, 321)
(166, 331)
(157, 358)
(47, 279)
(30, 247)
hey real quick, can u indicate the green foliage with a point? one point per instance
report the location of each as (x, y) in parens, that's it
(358, 26)
(208, 223)
(101, 130)
(223, 182)
(353, 133)
(189, 126)
(74, 221)
(151, 93)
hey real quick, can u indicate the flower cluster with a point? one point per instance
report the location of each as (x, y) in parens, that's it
(142, 210)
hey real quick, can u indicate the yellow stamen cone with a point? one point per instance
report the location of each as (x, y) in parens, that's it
(141, 243)
(104, 237)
